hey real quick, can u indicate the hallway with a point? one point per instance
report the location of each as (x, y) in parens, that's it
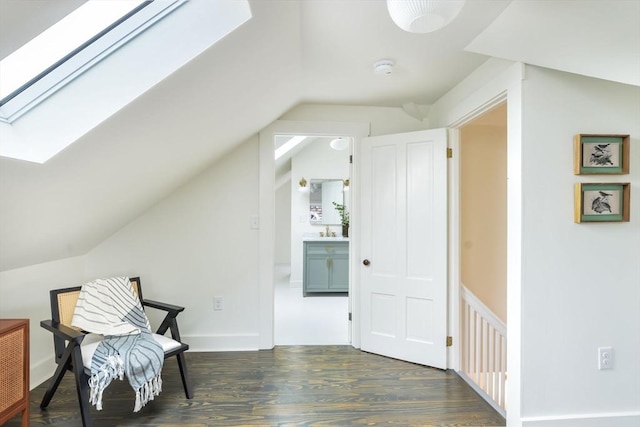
(318, 320)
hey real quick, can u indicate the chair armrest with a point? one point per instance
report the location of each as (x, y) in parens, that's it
(169, 321)
(162, 306)
(62, 331)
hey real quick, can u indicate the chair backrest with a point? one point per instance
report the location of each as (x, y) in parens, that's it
(63, 304)
(63, 301)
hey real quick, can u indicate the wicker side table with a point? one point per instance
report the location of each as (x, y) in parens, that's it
(14, 369)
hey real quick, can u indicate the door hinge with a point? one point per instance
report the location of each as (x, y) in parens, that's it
(449, 153)
(350, 158)
(449, 341)
(349, 316)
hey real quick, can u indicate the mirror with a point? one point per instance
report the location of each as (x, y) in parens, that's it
(322, 194)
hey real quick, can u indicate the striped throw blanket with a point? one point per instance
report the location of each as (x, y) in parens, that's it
(111, 308)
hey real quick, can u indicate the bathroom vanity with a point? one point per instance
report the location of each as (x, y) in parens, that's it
(326, 266)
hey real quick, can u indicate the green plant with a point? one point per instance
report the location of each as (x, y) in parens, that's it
(344, 213)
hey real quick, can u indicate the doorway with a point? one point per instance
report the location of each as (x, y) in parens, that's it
(267, 233)
(306, 166)
(483, 254)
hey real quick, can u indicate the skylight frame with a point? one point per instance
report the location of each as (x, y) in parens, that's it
(86, 56)
(58, 30)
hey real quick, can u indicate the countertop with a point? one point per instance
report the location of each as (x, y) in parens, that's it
(325, 239)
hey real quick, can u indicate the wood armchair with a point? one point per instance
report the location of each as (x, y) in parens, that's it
(72, 355)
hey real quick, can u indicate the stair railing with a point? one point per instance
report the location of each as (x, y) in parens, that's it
(484, 350)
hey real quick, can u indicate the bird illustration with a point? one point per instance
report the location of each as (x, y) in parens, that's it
(601, 204)
(601, 155)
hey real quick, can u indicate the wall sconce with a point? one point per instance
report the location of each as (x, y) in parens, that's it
(345, 185)
(303, 185)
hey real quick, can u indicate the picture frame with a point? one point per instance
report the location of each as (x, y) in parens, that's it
(600, 154)
(601, 202)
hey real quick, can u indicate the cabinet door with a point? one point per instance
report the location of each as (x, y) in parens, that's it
(316, 276)
(339, 274)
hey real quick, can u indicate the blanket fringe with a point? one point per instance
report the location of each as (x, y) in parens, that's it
(147, 392)
(112, 369)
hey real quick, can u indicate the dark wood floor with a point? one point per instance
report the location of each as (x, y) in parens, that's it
(287, 386)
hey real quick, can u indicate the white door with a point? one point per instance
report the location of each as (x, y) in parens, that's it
(404, 246)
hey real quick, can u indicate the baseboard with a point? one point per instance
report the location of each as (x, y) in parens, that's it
(482, 394)
(612, 419)
(41, 372)
(200, 343)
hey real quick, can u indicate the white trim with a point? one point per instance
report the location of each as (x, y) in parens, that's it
(484, 311)
(238, 342)
(605, 419)
(492, 83)
(40, 372)
(453, 223)
(482, 394)
(266, 245)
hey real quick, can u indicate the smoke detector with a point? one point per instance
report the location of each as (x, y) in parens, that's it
(383, 67)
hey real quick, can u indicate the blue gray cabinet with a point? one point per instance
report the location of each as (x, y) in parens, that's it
(326, 267)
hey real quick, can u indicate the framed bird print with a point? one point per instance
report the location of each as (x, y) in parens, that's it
(603, 202)
(600, 154)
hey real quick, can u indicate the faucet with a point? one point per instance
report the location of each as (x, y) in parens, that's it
(328, 233)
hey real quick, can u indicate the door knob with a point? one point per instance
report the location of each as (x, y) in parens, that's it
(366, 262)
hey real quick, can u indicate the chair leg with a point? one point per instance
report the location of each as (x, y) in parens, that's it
(182, 365)
(82, 387)
(57, 378)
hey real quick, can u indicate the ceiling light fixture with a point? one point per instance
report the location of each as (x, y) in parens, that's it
(339, 144)
(423, 16)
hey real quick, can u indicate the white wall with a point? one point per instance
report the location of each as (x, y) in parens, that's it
(560, 309)
(194, 245)
(24, 294)
(580, 282)
(197, 243)
(383, 120)
(283, 224)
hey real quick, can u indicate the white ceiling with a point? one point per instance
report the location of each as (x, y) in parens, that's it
(290, 52)
(595, 38)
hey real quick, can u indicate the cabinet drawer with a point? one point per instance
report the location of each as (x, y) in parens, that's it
(324, 248)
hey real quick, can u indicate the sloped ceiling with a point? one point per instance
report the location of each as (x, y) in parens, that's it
(594, 38)
(290, 52)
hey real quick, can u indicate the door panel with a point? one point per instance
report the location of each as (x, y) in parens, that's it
(404, 235)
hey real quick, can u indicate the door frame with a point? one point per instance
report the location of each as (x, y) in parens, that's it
(454, 247)
(266, 233)
(485, 89)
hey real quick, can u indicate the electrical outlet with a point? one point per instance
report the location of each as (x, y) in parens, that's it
(217, 303)
(605, 358)
(254, 222)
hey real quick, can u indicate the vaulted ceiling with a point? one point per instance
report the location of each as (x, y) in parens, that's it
(288, 53)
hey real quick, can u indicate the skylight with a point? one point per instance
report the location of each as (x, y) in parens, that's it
(115, 67)
(288, 146)
(70, 47)
(60, 40)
